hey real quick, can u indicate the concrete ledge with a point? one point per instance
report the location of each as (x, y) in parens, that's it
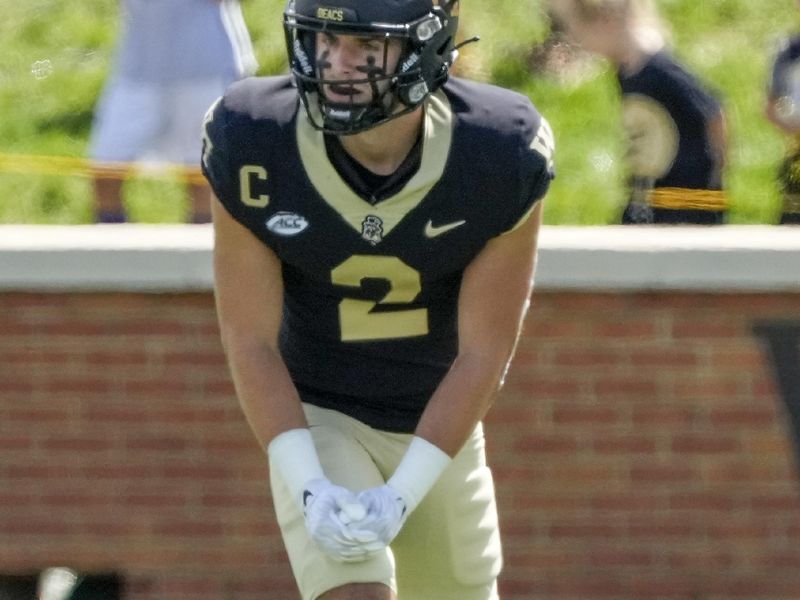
(729, 258)
(165, 258)
(158, 258)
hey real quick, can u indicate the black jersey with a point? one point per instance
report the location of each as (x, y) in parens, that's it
(370, 296)
(666, 113)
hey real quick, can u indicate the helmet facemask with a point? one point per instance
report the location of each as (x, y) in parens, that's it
(396, 87)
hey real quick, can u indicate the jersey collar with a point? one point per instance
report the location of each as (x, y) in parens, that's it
(437, 136)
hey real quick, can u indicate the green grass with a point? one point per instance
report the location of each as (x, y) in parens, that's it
(55, 55)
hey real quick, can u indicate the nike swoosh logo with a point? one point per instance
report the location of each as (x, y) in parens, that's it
(432, 232)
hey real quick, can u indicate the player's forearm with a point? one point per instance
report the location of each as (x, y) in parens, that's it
(459, 403)
(462, 399)
(494, 298)
(265, 391)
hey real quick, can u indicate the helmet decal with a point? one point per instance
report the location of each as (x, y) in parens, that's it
(336, 14)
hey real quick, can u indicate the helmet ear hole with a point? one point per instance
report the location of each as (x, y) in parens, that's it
(414, 93)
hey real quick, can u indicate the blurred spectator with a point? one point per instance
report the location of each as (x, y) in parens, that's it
(676, 128)
(783, 111)
(174, 58)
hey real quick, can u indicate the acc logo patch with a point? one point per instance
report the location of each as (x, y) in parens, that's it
(287, 224)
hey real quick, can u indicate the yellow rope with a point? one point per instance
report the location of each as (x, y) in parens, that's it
(687, 199)
(83, 167)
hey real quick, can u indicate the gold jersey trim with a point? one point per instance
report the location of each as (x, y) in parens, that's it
(676, 198)
(523, 219)
(82, 167)
(437, 137)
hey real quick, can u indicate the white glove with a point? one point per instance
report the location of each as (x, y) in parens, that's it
(329, 511)
(328, 508)
(389, 505)
(387, 511)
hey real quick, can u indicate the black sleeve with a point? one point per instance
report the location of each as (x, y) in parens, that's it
(540, 159)
(216, 153)
(692, 97)
(536, 171)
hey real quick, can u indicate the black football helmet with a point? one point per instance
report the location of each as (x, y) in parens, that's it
(426, 28)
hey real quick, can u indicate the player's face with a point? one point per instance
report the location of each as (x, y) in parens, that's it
(343, 58)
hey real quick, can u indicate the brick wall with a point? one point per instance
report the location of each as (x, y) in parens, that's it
(640, 447)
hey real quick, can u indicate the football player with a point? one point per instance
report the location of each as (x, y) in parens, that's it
(783, 111)
(376, 228)
(676, 128)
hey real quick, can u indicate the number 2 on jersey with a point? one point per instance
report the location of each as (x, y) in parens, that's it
(359, 320)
